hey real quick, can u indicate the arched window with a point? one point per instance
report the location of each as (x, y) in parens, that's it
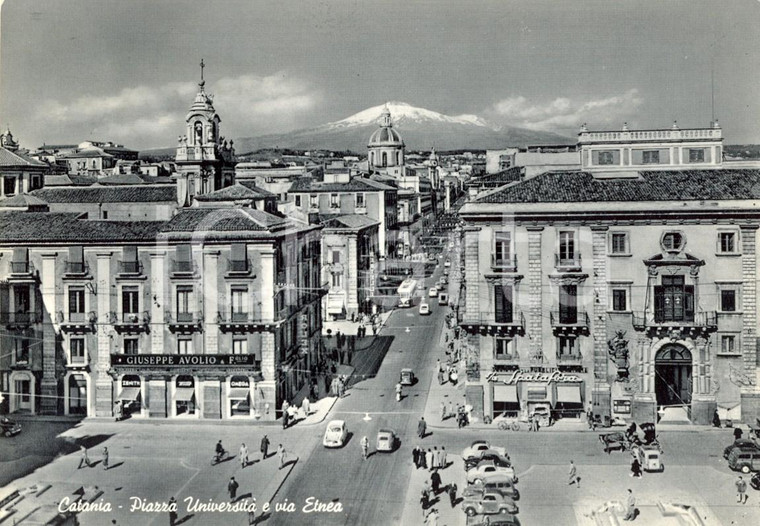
(372, 158)
(385, 159)
(398, 158)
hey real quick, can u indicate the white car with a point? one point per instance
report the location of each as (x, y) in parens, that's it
(335, 434)
(424, 308)
(387, 440)
(485, 468)
(447, 264)
(478, 446)
(433, 292)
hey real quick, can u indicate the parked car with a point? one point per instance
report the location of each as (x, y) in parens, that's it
(335, 434)
(433, 292)
(498, 482)
(755, 481)
(498, 520)
(487, 503)
(476, 492)
(485, 467)
(742, 443)
(489, 455)
(424, 308)
(447, 264)
(443, 299)
(744, 460)
(387, 440)
(9, 427)
(477, 448)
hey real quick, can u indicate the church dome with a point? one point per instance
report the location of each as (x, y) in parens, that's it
(385, 137)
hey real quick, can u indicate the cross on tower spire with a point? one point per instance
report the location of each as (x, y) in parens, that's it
(202, 66)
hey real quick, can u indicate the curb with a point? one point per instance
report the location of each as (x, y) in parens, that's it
(310, 424)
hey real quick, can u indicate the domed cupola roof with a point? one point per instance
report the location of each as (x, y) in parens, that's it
(7, 141)
(386, 135)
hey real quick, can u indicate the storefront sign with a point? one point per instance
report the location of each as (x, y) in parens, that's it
(183, 360)
(185, 381)
(130, 381)
(240, 382)
(528, 376)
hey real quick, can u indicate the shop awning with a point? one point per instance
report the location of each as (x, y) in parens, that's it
(569, 394)
(239, 394)
(537, 394)
(335, 304)
(504, 393)
(184, 394)
(129, 393)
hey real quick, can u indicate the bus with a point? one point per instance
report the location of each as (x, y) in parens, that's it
(405, 291)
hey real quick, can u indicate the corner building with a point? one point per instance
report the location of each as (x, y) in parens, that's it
(633, 292)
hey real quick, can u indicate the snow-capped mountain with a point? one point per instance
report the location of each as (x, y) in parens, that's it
(420, 128)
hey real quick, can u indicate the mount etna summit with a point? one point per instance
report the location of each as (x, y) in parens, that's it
(420, 128)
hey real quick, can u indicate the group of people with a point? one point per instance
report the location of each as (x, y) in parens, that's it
(430, 459)
(447, 373)
(338, 385)
(84, 458)
(220, 453)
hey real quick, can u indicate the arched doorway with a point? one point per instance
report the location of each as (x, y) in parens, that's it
(77, 394)
(672, 367)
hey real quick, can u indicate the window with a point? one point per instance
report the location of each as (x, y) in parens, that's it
(727, 242)
(336, 256)
(566, 246)
(728, 300)
(334, 201)
(360, 200)
(619, 243)
(131, 346)
(605, 158)
(696, 155)
(502, 248)
(76, 303)
(298, 200)
(503, 348)
(728, 343)
(672, 241)
(130, 302)
(567, 346)
(185, 346)
(184, 303)
(651, 157)
(239, 307)
(337, 279)
(502, 303)
(313, 201)
(673, 300)
(619, 300)
(22, 351)
(568, 304)
(22, 299)
(240, 346)
(76, 350)
(9, 185)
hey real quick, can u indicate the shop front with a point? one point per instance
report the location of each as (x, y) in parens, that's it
(522, 393)
(129, 395)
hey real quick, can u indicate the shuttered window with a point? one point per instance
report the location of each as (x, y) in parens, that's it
(502, 303)
(568, 304)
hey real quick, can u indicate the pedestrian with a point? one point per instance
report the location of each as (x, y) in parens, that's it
(424, 501)
(232, 487)
(536, 425)
(443, 411)
(172, 511)
(436, 458)
(741, 490)
(435, 480)
(440, 377)
(423, 459)
(84, 459)
(630, 513)
(573, 477)
(285, 419)
(453, 494)
(281, 454)
(264, 448)
(340, 387)
(421, 427)
(438, 365)
(737, 433)
(451, 408)
(429, 460)
(306, 406)
(447, 374)
(716, 419)
(105, 458)
(636, 467)
(365, 447)
(243, 456)
(374, 329)
(432, 518)
(444, 458)
(530, 422)
(416, 457)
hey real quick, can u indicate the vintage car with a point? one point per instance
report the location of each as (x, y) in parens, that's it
(335, 434)
(8, 428)
(489, 455)
(487, 503)
(387, 440)
(424, 308)
(486, 467)
(477, 448)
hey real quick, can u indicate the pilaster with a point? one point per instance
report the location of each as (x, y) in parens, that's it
(535, 306)
(103, 382)
(749, 300)
(49, 383)
(599, 252)
(210, 293)
(267, 284)
(472, 273)
(161, 300)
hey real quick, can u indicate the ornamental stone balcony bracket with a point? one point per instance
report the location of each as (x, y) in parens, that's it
(567, 279)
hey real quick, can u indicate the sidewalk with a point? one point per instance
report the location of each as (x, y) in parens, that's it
(447, 516)
(349, 327)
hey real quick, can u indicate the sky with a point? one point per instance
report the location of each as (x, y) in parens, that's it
(127, 70)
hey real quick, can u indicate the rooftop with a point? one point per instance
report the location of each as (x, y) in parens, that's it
(34, 227)
(350, 221)
(244, 223)
(355, 184)
(235, 192)
(109, 194)
(10, 159)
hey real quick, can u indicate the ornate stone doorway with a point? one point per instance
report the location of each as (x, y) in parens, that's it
(673, 367)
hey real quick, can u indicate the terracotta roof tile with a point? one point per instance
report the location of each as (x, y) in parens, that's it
(108, 194)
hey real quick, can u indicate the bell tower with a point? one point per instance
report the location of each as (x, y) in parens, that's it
(205, 162)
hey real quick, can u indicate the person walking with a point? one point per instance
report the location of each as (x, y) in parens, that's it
(444, 458)
(423, 459)
(530, 422)
(630, 513)
(281, 453)
(435, 480)
(443, 411)
(573, 477)
(232, 488)
(451, 408)
(432, 518)
(172, 511)
(636, 467)
(365, 447)
(741, 490)
(440, 376)
(436, 458)
(416, 457)
(421, 427)
(84, 459)
(429, 460)
(264, 448)
(105, 458)
(453, 494)
(243, 456)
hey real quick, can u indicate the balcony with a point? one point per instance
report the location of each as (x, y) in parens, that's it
(21, 360)
(693, 323)
(508, 264)
(130, 268)
(503, 362)
(131, 322)
(239, 322)
(77, 321)
(241, 267)
(20, 320)
(76, 361)
(181, 268)
(76, 268)
(570, 322)
(488, 324)
(21, 268)
(184, 322)
(570, 362)
(565, 264)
